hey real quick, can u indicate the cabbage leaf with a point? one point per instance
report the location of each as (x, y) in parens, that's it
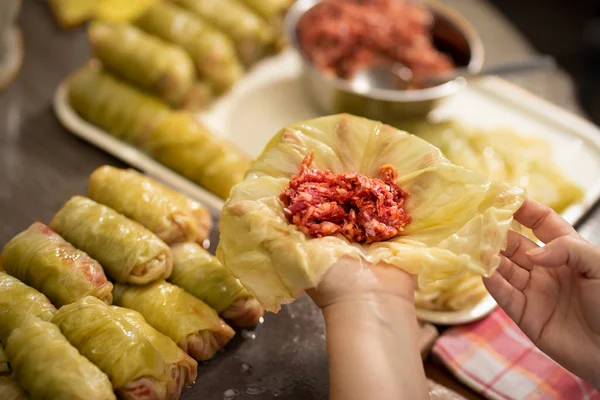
(460, 218)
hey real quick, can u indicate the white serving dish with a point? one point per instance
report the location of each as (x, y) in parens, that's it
(272, 95)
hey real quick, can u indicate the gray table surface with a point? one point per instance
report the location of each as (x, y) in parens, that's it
(42, 165)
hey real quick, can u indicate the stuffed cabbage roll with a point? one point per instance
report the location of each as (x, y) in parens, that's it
(19, 302)
(9, 390)
(192, 324)
(212, 52)
(186, 368)
(160, 209)
(251, 35)
(71, 13)
(201, 274)
(41, 258)
(47, 366)
(119, 10)
(157, 66)
(273, 11)
(196, 154)
(127, 251)
(4, 367)
(201, 213)
(136, 369)
(113, 105)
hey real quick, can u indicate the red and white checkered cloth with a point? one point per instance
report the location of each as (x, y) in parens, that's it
(494, 358)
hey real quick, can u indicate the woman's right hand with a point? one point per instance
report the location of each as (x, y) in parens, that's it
(372, 332)
(553, 292)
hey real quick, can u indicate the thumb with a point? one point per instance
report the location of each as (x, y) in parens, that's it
(568, 250)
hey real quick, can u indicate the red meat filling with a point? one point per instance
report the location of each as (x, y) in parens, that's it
(364, 210)
(343, 36)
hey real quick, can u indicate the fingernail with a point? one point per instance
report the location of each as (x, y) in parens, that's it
(535, 252)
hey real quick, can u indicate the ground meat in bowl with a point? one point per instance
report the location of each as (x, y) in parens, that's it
(342, 36)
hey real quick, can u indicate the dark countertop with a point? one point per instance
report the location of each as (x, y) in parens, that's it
(42, 165)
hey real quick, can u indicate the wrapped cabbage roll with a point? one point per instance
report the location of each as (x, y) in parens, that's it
(273, 11)
(192, 324)
(212, 52)
(201, 274)
(9, 390)
(134, 117)
(157, 66)
(135, 367)
(196, 154)
(251, 35)
(127, 251)
(47, 366)
(186, 370)
(121, 11)
(435, 219)
(160, 209)
(113, 105)
(19, 302)
(4, 367)
(202, 215)
(39, 257)
(71, 13)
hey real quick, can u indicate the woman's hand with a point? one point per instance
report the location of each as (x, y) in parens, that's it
(350, 281)
(372, 332)
(553, 292)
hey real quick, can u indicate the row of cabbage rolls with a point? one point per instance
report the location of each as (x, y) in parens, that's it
(188, 51)
(175, 138)
(135, 243)
(149, 74)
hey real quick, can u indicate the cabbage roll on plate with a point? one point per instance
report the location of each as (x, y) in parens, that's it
(168, 214)
(212, 51)
(41, 258)
(273, 11)
(192, 324)
(252, 36)
(149, 62)
(71, 13)
(47, 366)
(127, 251)
(202, 275)
(196, 154)
(111, 104)
(140, 363)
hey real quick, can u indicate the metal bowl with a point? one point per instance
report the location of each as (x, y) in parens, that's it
(452, 33)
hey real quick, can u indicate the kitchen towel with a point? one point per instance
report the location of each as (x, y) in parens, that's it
(494, 358)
